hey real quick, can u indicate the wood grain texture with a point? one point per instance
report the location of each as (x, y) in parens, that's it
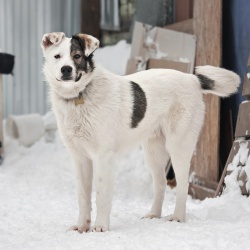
(246, 88)
(1, 115)
(183, 10)
(90, 19)
(246, 85)
(207, 28)
(243, 121)
(241, 174)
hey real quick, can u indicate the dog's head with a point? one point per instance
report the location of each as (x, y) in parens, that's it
(68, 63)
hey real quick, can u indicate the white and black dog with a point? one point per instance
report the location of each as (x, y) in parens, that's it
(100, 114)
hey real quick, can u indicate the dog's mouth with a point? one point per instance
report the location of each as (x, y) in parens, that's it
(69, 78)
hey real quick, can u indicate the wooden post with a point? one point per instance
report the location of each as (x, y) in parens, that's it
(207, 28)
(183, 10)
(1, 117)
(90, 18)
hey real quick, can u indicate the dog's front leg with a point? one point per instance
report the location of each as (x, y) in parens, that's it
(104, 190)
(84, 176)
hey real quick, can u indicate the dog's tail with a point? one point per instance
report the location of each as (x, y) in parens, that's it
(217, 81)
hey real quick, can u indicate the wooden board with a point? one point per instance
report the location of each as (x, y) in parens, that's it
(200, 188)
(183, 10)
(246, 85)
(184, 26)
(207, 28)
(165, 64)
(243, 121)
(1, 116)
(90, 18)
(246, 88)
(241, 174)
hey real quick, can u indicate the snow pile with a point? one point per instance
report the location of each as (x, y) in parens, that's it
(114, 58)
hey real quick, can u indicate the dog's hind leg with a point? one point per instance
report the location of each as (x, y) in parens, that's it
(157, 158)
(181, 154)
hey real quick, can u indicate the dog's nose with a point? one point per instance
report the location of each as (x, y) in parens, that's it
(66, 71)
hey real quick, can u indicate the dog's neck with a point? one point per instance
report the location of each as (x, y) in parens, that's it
(88, 92)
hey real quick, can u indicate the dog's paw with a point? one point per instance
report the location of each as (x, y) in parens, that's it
(151, 216)
(98, 229)
(80, 229)
(174, 217)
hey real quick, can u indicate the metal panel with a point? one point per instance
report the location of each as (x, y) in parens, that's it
(22, 24)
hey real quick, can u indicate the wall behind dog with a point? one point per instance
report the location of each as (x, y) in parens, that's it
(22, 25)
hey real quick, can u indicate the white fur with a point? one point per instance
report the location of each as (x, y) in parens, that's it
(98, 130)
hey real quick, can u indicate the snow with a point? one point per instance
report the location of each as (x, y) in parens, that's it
(38, 203)
(114, 58)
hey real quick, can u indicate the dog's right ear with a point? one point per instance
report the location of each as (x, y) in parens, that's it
(50, 39)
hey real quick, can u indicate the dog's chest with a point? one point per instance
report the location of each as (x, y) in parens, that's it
(77, 125)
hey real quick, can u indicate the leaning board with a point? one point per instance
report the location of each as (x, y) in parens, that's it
(238, 161)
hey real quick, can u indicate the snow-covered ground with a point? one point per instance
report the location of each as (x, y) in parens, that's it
(38, 203)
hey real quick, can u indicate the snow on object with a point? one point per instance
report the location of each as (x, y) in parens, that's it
(26, 128)
(240, 164)
(239, 158)
(184, 60)
(246, 168)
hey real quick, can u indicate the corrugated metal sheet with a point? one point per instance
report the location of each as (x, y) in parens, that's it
(22, 24)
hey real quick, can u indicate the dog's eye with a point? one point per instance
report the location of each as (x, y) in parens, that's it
(77, 56)
(57, 56)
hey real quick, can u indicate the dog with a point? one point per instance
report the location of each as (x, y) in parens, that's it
(101, 115)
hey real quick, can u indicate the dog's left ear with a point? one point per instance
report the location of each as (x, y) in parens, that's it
(91, 43)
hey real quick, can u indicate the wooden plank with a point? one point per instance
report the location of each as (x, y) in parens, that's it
(200, 192)
(165, 64)
(207, 28)
(183, 10)
(241, 176)
(246, 85)
(1, 116)
(184, 26)
(243, 121)
(90, 18)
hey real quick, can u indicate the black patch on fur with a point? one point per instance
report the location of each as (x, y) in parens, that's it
(206, 83)
(139, 104)
(84, 63)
